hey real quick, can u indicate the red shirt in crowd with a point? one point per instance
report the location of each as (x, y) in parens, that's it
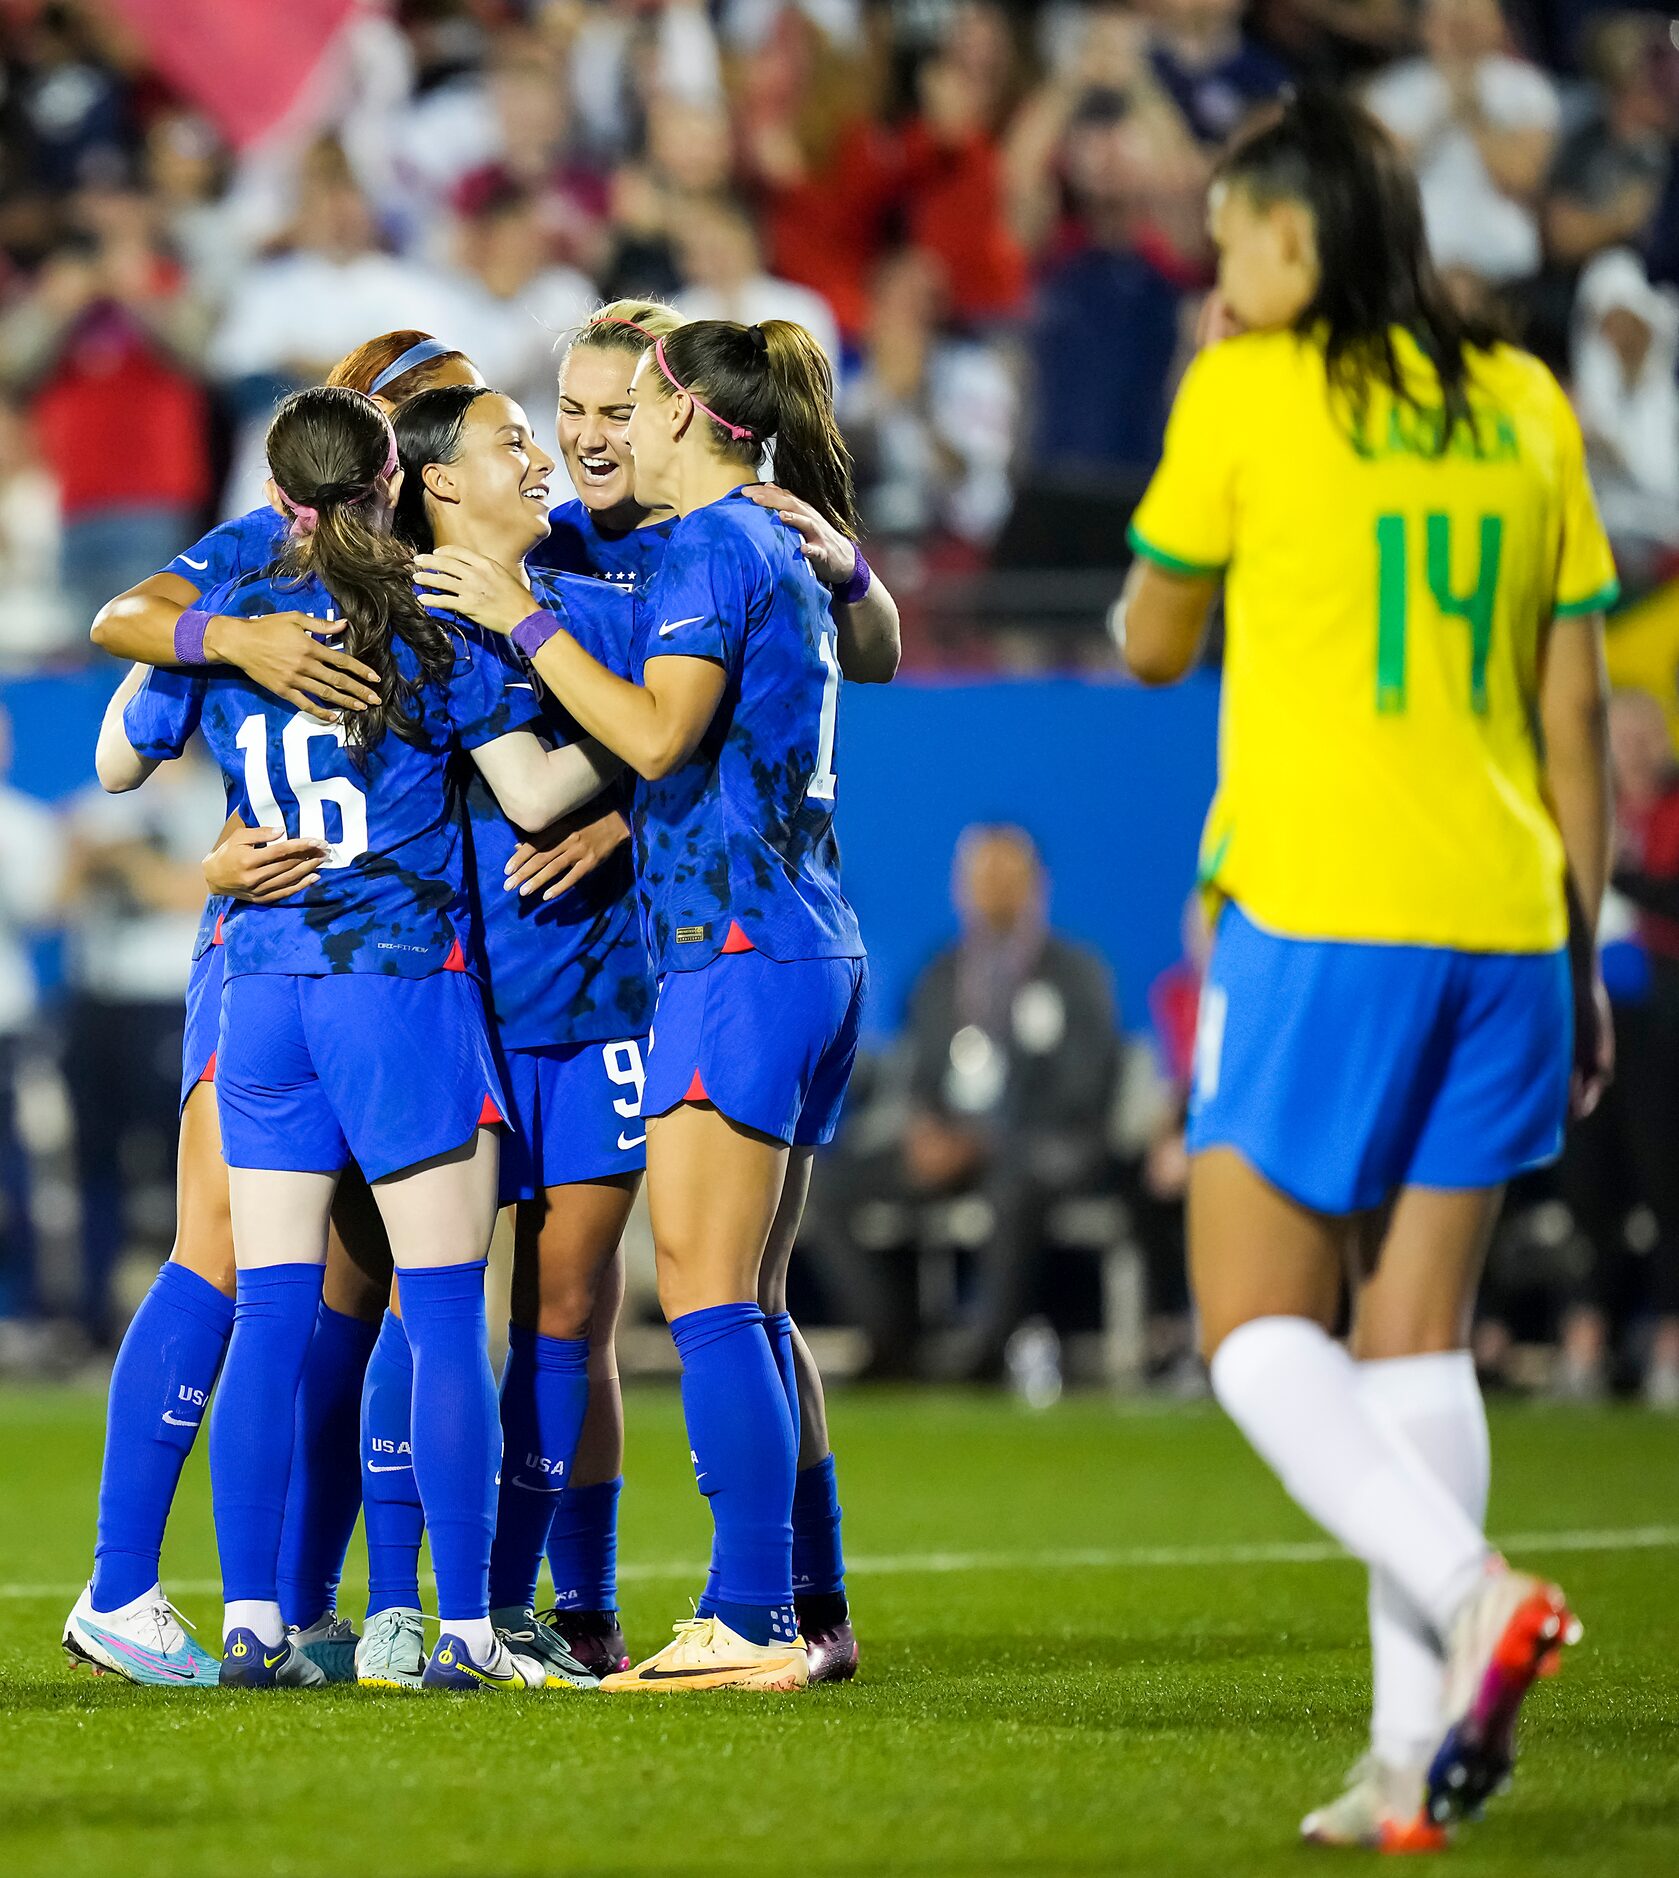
(122, 426)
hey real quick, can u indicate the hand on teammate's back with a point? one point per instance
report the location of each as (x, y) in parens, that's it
(566, 853)
(284, 654)
(262, 864)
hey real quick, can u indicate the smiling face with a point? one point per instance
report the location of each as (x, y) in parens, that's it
(494, 496)
(594, 426)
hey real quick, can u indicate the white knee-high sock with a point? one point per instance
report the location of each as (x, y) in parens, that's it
(1293, 1391)
(1434, 1404)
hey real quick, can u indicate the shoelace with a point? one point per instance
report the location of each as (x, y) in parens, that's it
(163, 1614)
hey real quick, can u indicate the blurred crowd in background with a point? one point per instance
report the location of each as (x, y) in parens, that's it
(993, 218)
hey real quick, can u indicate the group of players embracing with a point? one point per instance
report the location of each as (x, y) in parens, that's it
(529, 887)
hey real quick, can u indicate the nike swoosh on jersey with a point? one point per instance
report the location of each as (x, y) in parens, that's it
(175, 1420)
(671, 625)
(188, 561)
(626, 1142)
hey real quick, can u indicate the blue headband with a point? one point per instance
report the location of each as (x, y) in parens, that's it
(415, 355)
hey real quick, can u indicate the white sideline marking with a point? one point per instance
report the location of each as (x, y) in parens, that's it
(1094, 1558)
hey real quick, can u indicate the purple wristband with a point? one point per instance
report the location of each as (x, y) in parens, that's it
(534, 631)
(190, 629)
(858, 584)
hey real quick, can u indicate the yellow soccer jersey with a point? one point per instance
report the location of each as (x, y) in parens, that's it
(1386, 611)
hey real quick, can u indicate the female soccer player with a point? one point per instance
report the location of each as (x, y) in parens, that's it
(731, 724)
(351, 1024)
(568, 996)
(173, 1347)
(606, 532)
(1414, 579)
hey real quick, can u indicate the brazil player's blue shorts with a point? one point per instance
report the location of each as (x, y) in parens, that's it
(1343, 1071)
(769, 1043)
(204, 1020)
(390, 1072)
(573, 1113)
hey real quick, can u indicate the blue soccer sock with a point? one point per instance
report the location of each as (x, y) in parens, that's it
(325, 1493)
(457, 1430)
(742, 1438)
(583, 1547)
(253, 1422)
(390, 1498)
(818, 1559)
(162, 1380)
(778, 1327)
(544, 1396)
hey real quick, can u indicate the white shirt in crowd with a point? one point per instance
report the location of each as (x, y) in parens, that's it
(764, 297)
(1472, 224)
(131, 954)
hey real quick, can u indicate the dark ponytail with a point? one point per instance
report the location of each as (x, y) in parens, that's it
(327, 451)
(774, 383)
(1375, 270)
(429, 428)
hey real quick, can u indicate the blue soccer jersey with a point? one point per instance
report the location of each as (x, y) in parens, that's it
(575, 545)
(246, 545)
(391, 896)
(571, 970)
(744, 831)
(243, 546)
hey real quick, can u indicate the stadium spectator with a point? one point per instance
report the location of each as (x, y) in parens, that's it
(104, 347)
(1480, 125)
(1216, 75)
(72, 107)
(29, 863)
(724, 278)
(517, 303)
(290, 318)
(929, 414)
(1125, 261)
(952, 182)
(38, 622)
(1012, 1044)
(132, 894)
(824, 163)
(1610, 172)
(1336, 39)
(1625, 355)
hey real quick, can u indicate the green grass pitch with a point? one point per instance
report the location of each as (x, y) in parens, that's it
(1094, 1640)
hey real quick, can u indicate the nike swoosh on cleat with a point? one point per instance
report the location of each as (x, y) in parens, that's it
(175, 1420)
(688, 1675)
(671, 625)
(273, 1662)
(626, 1142)
(143, 1659)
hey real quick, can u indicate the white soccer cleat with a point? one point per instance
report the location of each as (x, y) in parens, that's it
(145, 1642)
(392, 1651)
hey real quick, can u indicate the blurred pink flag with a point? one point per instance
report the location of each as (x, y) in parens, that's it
(244, 63)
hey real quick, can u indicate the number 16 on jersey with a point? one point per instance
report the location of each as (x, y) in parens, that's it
(311, 793)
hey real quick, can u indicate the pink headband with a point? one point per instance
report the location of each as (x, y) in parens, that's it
(739, 432)
(306, 519)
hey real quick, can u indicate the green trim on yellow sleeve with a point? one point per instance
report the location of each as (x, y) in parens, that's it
(1599, 602)
(1192, 570)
